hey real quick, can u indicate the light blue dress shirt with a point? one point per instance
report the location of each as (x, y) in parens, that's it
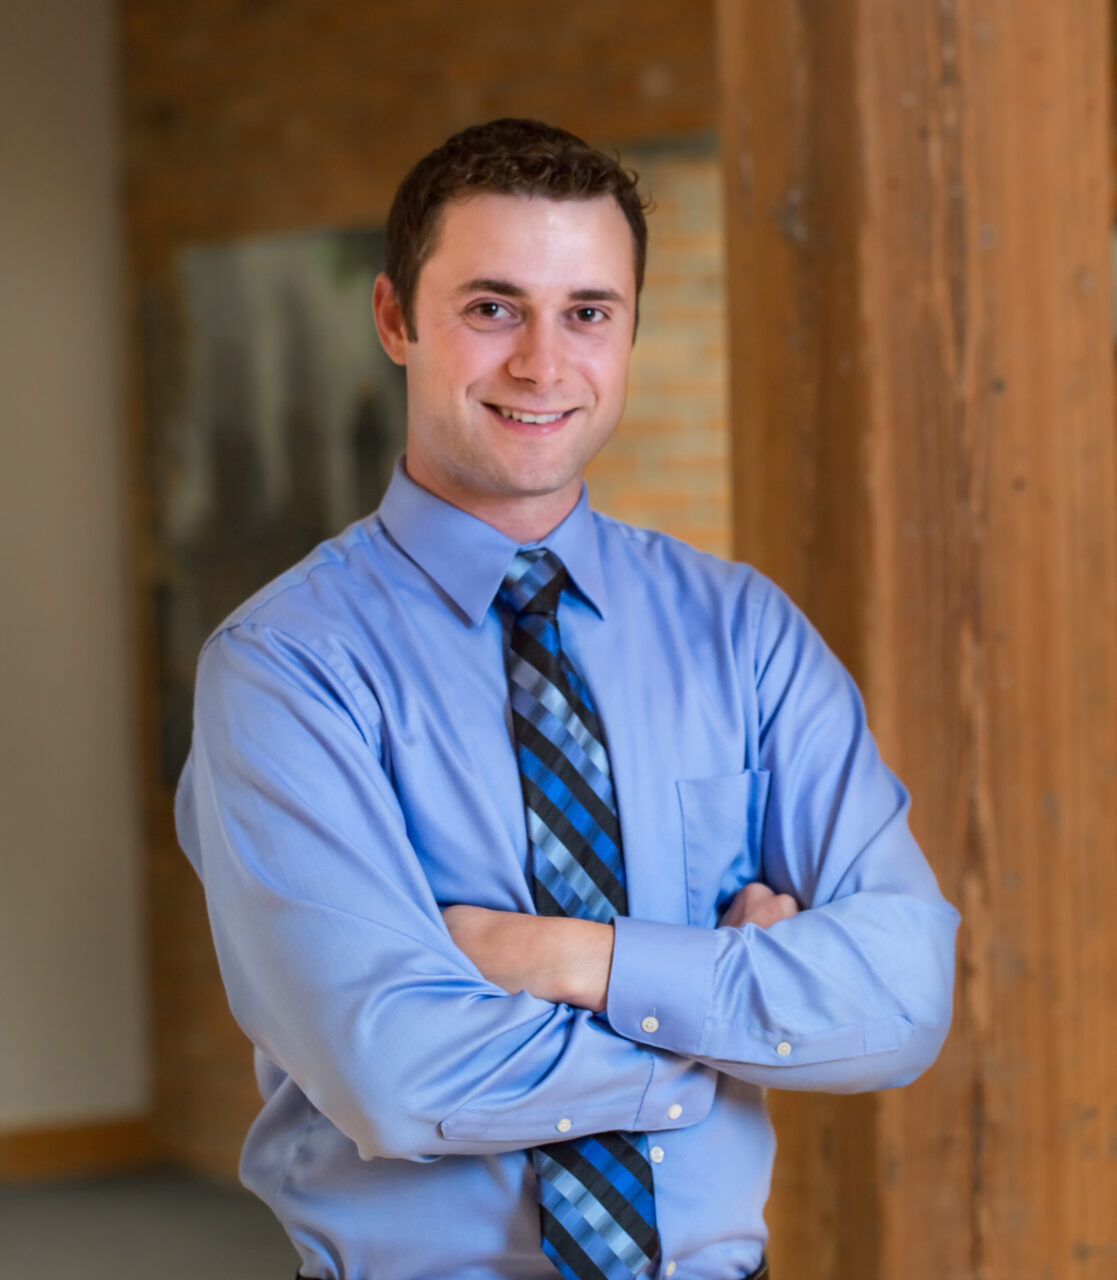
(353, 770)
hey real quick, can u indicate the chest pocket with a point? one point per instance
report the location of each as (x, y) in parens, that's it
(723, 824)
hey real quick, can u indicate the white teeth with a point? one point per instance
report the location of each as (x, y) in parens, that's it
(532, 419)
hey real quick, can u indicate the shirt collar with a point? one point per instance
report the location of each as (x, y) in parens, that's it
(468, 558)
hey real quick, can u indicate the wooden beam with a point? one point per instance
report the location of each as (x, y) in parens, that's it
(918, 217)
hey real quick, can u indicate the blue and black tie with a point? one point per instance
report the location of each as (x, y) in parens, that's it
(596, 1196)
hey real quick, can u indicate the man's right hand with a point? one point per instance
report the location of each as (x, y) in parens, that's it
(757, 904)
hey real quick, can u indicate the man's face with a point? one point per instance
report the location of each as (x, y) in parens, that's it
(525, 314)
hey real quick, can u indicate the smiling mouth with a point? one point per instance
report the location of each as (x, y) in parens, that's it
(530, 419)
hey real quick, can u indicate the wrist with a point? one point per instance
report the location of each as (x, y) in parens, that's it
(580, 955)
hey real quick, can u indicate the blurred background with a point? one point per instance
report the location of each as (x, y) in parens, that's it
(875, 358)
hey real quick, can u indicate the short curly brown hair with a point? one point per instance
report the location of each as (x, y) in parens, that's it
(506, 157)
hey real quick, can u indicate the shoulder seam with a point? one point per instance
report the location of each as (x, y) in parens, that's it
(246, 625)
(374, 532)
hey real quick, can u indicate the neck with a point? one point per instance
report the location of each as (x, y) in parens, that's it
(520, 522)
(522, 517)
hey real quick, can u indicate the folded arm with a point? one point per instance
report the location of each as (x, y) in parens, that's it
(335, 956)
(853, 991)
(566, 960)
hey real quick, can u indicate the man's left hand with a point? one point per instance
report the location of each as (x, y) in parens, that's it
(759, 905)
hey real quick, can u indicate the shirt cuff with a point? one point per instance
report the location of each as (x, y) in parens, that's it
(661, 983)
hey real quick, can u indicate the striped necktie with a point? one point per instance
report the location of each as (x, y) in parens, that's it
(596, 1197)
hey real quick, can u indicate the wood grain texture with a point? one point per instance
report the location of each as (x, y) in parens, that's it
(797, 395)
(945, 508)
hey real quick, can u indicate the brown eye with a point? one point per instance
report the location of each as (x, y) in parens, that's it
(490, 310)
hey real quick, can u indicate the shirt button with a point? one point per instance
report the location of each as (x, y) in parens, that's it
(650, 1024)
(669, 1269)
(656, 1154)
(674, 1111)
(783, 1048)
(563, 1125)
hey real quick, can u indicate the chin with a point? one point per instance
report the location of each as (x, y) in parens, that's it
(542, 486)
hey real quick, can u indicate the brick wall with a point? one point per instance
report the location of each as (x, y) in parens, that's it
(261, 115)
(668, 465)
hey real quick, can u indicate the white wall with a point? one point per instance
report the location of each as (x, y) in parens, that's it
(72, 1025)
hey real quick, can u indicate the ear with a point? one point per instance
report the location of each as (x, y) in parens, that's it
(388, 315)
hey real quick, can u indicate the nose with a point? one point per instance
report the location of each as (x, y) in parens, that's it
(537, 354)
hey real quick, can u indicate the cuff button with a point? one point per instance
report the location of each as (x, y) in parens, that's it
(563, 1126)
(783, 1048)
(649, 1024)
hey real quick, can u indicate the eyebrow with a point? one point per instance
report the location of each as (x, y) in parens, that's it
(488, 284)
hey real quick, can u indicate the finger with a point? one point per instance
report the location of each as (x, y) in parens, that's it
(755, 894)
(784, 906)
(757, 904)
(768, 908)
(745, 901)
(752, 901)
(765, 918)
(750, 905)
(781, 906)
(734, 915)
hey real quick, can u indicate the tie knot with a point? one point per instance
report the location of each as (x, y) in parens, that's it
(534, 582)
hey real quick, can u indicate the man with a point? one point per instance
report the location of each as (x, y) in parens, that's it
(537, 846)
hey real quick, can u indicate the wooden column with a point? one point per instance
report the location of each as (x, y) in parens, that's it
(923, 401)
